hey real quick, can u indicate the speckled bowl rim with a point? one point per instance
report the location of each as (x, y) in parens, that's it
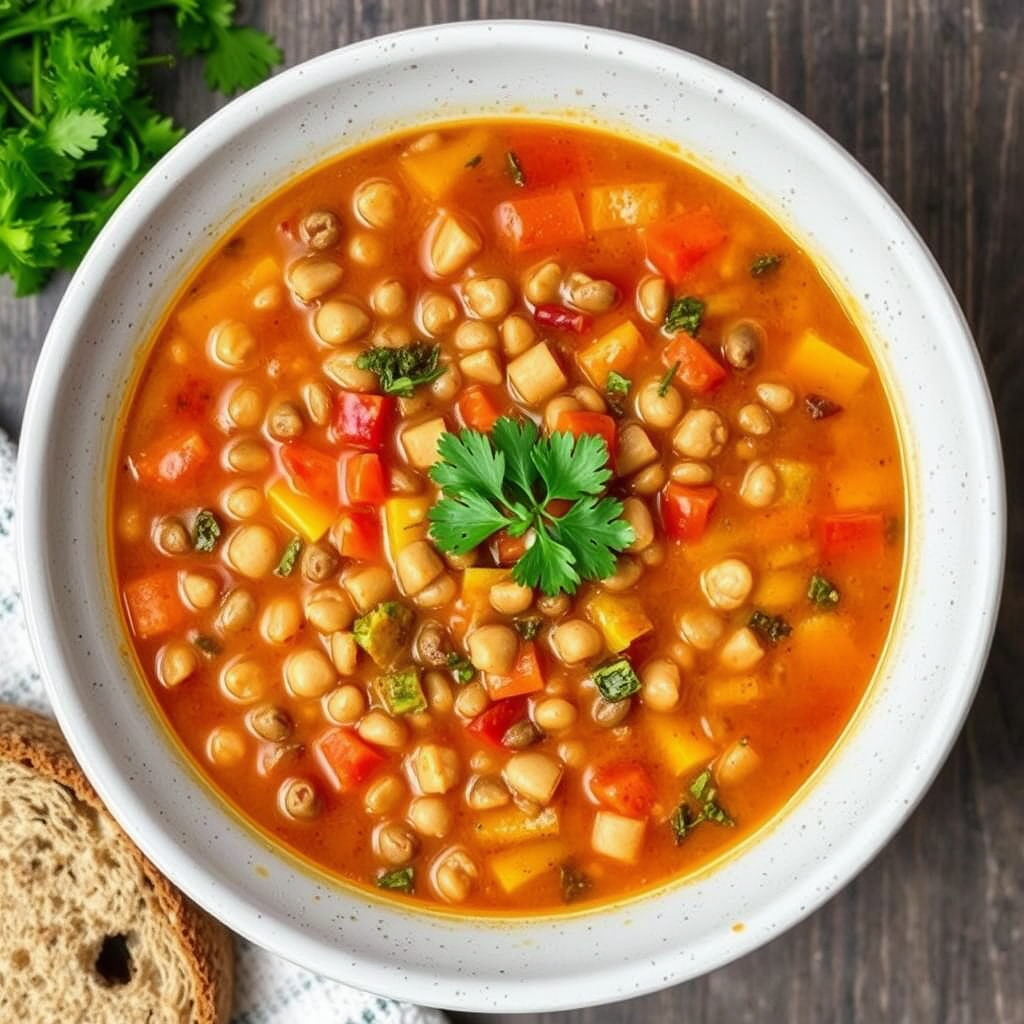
(51, 606)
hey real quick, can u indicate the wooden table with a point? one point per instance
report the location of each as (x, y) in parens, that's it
(929, 95)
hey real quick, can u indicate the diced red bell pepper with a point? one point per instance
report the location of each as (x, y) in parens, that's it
(365, 483)
(492, 724)
(547, 221)
(525, 677)
(685, 510)
(347, 761)
(698, 369)
(860, 534)
(175, 459)
(477, 409)
(560, 318)
(363, 420)
(312, 471)
(625, 787)
(579, 421)
(356, 534)
(509, 549)
(677, 245)
(153, 604)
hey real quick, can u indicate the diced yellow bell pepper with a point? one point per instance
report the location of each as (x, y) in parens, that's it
(405, 521)
(819, 366)
(860, 486)
(435, 171)
(616, 350)
(780, 589)
(477, 583)
(796, 478)
(200, 316)
(681, 743)
(305, 515)
(620, 619)
(508, 825)
(625, 206)
(514, 868)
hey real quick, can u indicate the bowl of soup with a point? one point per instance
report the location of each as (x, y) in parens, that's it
(501, 544)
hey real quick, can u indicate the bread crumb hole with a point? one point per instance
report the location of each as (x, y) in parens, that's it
(114, 963)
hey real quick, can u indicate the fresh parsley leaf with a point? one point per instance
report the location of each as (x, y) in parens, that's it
(592, 530)
(515, 439)
(205, 531)
(822, 592)
(713, 811)
(286, 566)
(402, 370)
(765, 264)
(515, 169)
(617, 384)
(574, 882)
(572, 467)
(702, 790)
(398, 880)
(469, 462)
(666, 382)
(701, 784)
(685, 314)
(772, 627)
(547, 564)
(616, 680)
(459, 523)
(529, 627)
(462, 668)
(73, 132)
(683, 821)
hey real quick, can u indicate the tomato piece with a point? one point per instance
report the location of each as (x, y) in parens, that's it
(347, 761)
(492, 724)
(860, 534)
(548, 161)
(525, 677)
(177, 458)
(357, 534)
(560, 318)
(365, 483)
(312, 471)
(153, 604)
(549, 221)
(579, 422)
(698, 368)
(685, 510)
(508, 549)
(477, 409)
(624, 787)
(677, 245)
(363, 420)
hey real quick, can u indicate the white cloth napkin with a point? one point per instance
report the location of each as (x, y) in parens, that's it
(268, 990)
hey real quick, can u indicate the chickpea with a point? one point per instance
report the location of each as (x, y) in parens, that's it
(245, 406)
(417, 565)
(658, 410)
(248, 457)
(438, 690)
(341, 367)
(270, 723)
(609, 714)
(741, 344)
(554, 714)
(340, 321)
(489, 298)
(692, 473)
(317, 397)
(636, 513)
(237, 611)
(176, 662)
(493, 649)
(653, 554)
(727, 584)
(454, 875)
(437, 313)
(391, 336)
(483, 366)
(589, 398)
(383, 795)
(553, 606)
(591, 296)
(268, 298)
(659, 681)
(454, 243)
(439, 593)
(475, 336)
(281, 620)
(329, 610)
(485, 793)
(627, 572)
(234, 344)
(741, 651)
(344, 652)
(760, 485)
(510, 598)
(533, 775)
(573, 753)
(543, 283)
(308, 672)
(201, 591)
(225, 747)
(389, 298)
(517, 335)
(436, 768)
(252, 550)
(366, 249)
(318, 563)
(285, 422)
(448, 385)
(345, 705)
(463, 561)
(776, 397)
(754, 419)
(312, 277)
(649, 480)
(245, 680)
(299, 799)
(378, 203)
(554, 409)
(575, 641)
(472, 700)
(652, 299)
(243, 502)
(430, 816)
(368, 586)
(380, 729)
(683, 655)
(431, 645)
(700, 628)
(395, 843)
(700, 435)
(171, 536)
(484, 761)
(320, 229)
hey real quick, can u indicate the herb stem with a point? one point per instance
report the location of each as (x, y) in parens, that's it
(166, 60)
(17, 105)
(37, 64)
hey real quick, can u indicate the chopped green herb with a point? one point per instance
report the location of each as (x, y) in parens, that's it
(616, 680)
(819, 407)
(772, 627)
(822, 592)
(205, 530)
(666, 382)
(713, 811)
(685, 314)
(506, 480)
(574, 882)
(401, 370)
(383, 631)
(474, 161)
(701, 784)
(683, 822)
(515, 169)
(401, 692)
(766, 264)
(617, 384)
(462, 668)
(291, 552)
(529, 627)
(398, 880)
(206, 644)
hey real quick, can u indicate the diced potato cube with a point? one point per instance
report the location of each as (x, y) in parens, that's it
(435, 171)
(536, 375)
(453, 244)
(737, 763)
(617, 836)
(514, 868)
(681, 743)
(508, 825)
(436, 768)
(623, 206)
(419, 442)
(533, 775)
(634, 450)
(621, 619)
(417, 565)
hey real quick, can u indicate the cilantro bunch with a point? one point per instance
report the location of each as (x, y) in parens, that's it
(78, 129)
(509, 481)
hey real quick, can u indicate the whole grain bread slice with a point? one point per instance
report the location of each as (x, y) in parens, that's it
(89, 930)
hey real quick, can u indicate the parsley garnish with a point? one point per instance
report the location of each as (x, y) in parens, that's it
(462, 668)
(401, 370)
(617, 384)
(287, 563)
(666, 382)
(474, 161)
(616, 680)
(515, 169)
(507, 480)
(822, 592)
(574, 882)
(528, 628)
(766, 264)
(399, 880)
(772, 627)
(78, 126)
(685, 314)
(683, 821)
(205, 531)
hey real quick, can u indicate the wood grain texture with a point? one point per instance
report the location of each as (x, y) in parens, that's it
(929, 95)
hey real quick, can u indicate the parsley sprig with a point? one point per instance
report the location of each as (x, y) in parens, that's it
(508, 481)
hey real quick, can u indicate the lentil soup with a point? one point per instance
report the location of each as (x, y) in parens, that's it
(508, 515)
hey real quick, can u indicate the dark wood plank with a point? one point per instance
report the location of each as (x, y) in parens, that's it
(929, 95)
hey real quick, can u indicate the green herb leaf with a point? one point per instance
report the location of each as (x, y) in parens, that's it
(515, 169)
(666, 382)
(287, 563)
(685, 314)
(398, 880)
(515, 439)
(572, 467)
(822, 592)
(547, 564)
(205, 531)
(402, 370)
(766, 264)
(772, 627)
(683, 821)
(616, 680)
(617, 384)
(574, 882)
(528, 628)
(462, 668)
(701, 784)
(593, 529)
(713, 811)
(459, 524)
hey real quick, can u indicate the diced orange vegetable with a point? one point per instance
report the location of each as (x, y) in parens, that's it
(818, 366)
(405, 520)
(547, 160)
(506, 826)
(853, 535)
(525, 677)
(365, 483)
(698, 369)
(176, 459)
(435, 172)
(625, 787)
(305, 515)
(685, 510)
(509, 549)
(625, 206)
(477, 409)
(549, 221)
(677, 245)
(346, 760)
(580, 421)
(681, 743)
(616, 350)
(477, 583)
(312, 471)
(153, 604)
(356, 534)
(621, 619)
(263, 272)
(515, 867)
(198, 317)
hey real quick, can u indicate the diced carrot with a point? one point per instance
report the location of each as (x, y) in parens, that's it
(677, 245)
(548, 221)
(515, 867)
(356, 534)
(525, 677)
(818, 366)
(625, 206)
(580, 421)
(153, 604)
(477, 409)
(625, 787)
(615, 350)
(364, 479)
(548, 160)
(175, 459)
(198, 317)
(853, 534)
(685, 510)
(345, 759)
(312, 471)
(509, 549)
(698, 369)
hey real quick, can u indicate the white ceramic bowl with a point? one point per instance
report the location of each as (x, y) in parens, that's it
(899, 738)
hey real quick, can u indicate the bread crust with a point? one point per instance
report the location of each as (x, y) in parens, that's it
(37, 743)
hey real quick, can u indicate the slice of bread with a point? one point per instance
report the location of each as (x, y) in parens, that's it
(90, 931)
